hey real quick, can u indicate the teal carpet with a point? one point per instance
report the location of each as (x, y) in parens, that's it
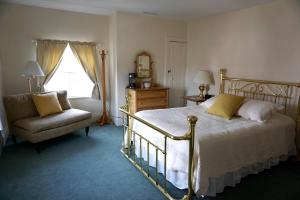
(75, 167)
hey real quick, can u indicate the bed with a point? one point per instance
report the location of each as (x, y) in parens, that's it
(207, 155)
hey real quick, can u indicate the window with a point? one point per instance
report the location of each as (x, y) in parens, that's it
(71, 76)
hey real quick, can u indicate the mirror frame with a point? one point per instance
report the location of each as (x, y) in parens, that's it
(137, 65)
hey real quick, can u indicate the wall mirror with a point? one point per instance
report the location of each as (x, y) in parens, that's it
(143, 65)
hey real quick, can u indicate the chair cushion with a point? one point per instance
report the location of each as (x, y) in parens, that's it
(46, 104)
(19, 106)
(62, 96)
(37, 124)
(63, 100)
(226, 105)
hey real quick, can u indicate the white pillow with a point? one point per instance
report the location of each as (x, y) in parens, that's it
(258, 110)
(209, 102)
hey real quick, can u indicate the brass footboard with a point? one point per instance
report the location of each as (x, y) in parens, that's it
(138, 163)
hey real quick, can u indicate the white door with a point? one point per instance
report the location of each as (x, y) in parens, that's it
(175, 72)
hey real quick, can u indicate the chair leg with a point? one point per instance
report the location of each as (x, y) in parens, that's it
(87, 130)
(13, 137)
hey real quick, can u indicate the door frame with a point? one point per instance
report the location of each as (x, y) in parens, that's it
(167, 40)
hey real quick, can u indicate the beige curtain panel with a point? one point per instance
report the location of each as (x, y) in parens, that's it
(86, 55)
(49, 54)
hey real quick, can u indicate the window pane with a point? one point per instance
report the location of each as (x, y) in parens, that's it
(71, 76)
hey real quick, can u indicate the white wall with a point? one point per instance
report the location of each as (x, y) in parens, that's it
(136, 33)
(21, 24)
(261, 42)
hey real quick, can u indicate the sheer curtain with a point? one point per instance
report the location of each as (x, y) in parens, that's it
(49, 54)
(86, 55)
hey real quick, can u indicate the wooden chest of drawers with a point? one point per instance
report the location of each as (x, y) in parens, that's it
(145, 99)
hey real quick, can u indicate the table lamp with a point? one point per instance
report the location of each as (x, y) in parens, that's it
(203, 78)
(31, 71)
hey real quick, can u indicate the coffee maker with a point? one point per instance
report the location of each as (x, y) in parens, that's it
(132, 80)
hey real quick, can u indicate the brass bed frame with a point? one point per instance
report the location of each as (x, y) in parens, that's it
(278, 92)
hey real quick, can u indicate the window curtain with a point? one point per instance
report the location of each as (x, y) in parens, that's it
(49, 54)
(86, 55)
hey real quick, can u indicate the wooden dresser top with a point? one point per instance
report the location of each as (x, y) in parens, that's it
(147, 89)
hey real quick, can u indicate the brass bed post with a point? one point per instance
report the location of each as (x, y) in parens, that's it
(222, 80)
(127, 147)
(192, 123)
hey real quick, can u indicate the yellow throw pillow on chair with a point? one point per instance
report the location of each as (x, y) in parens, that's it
(46, 104)
(226, 105)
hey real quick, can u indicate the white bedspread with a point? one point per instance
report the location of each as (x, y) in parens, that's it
(221, 146)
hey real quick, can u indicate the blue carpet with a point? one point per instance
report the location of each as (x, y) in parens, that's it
(78, 167)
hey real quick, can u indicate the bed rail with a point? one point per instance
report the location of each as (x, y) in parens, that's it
(128, 147)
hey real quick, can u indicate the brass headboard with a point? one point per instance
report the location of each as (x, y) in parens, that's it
(284, 93)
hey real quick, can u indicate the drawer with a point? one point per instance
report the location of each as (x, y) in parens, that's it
(149, 103)
(151, 94)
(150, 108)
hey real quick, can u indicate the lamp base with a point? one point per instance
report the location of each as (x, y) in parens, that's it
(201, 89)
(29, 84)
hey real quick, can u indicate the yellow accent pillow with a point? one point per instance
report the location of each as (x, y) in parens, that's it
(226, 105)
(46, 104)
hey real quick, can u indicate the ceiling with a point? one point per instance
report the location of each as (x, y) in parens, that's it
(171, 9)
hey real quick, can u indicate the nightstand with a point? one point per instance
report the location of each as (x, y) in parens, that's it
(196, 99)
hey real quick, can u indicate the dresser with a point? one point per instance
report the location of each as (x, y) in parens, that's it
(145, 99)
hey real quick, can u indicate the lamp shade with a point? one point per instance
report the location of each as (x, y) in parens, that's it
(32, 69)
(203, 77)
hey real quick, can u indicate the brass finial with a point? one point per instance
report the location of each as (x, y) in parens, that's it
(192, 119)
(223, 71)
